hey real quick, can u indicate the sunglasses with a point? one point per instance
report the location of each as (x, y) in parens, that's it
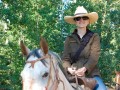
(84, 18)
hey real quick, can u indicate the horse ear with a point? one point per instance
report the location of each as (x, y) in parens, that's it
(24, 49)
(117, 72)
(44, 45)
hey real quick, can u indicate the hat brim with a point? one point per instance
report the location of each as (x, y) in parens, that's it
(93, 17)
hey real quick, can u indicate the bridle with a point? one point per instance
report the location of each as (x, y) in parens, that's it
(56, 80)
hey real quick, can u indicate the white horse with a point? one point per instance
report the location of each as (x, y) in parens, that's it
(41, 71)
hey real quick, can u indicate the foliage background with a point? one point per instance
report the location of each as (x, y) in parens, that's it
(27, 20)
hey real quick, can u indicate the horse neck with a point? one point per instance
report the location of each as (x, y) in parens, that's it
(64, 84)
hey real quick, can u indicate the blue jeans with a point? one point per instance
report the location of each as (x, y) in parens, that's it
(100, 85)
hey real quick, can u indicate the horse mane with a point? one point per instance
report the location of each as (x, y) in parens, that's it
(59, 61)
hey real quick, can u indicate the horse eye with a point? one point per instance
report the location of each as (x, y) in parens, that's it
(45, 75)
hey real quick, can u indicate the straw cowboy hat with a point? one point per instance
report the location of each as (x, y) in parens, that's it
(81, 11)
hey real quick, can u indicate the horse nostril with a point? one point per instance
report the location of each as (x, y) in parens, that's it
(45, 75)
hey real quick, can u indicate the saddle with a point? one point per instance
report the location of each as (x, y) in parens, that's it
(87, 82)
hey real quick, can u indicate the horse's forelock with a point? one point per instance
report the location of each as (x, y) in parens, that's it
(37, 53)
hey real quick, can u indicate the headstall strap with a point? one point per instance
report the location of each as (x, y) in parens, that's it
(49, 75)
(34, 61)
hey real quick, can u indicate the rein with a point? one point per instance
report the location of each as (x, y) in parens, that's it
(56, 81)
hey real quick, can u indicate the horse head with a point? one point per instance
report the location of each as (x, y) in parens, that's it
(40, 70)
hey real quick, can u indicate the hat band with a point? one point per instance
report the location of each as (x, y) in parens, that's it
(80, 13)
